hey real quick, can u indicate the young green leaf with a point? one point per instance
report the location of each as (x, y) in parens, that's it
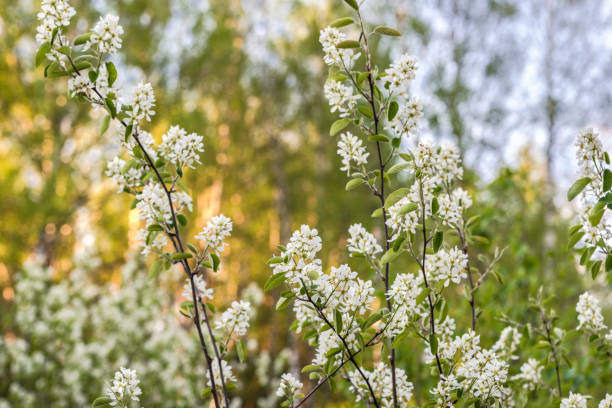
(348, 44)
(354, 183)
(341, 22)
(41, 54)
(352, 3)
(577, 187)
(384, 30)
(392, 111)
(338, 125)
(112, 73)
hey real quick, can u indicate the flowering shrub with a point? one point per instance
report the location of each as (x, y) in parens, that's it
(354, 322)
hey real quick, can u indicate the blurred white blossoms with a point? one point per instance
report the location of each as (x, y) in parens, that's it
(340, 97)
(200, 284)
(453, 206)
(400, 73)
(215, 232)
(227, 372)
(106, 35)
(124, 178)
(574, 401)
(153, 205)
(508, 342)
(53, 14)
(530, 375)
(362, 242)
(590, 318)
(142, 102)
(181, 148)
(289, 386)
(124, 388)
(606, 402)
(329, 38)
(352, 151)
(380, 379)
(236, 318)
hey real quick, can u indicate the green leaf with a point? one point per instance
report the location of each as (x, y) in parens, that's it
(82, 39)
(180, 256)
(433, 344)
(354, 183)
(282, 303)
(111, 107)
(384, 30)
(104, 124)
(607, 180)
(211, 307)
(379, 138)
(93, 75)
(155, 268)
(341, 22)
(112, 73)
(155, 227)
(181, 219)
(390, 256)
(396, 168)
(410, 207)
(206, 392)
(395, 196)
(102, 402)
(365, 111)
(574, 239)
(215, 261)
(423, 295)
(392, 111)
(338, 125)
(348, 44)
(276, 260)
(373, 318)
(596, 213)
(577, 187)
(377, 213)
(64, 49)
(241, 350)
(128, 133)
(41, 54)
(595, 268)
(310, 368)
(338, 318)
(274, 281)
(434, 205)
(609, 263)
(437, 240)
(352, 3)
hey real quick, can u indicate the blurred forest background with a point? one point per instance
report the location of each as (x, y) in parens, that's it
(510, 81)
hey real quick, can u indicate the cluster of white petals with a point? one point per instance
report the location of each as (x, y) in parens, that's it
(362, 242)
(606, 402)
(142, 102)
(446, 265)
(352, 151)
(154, 207)
(403, 293)
(53, 14)
(215, 232)
(124, 386)
(329, 38)
(340, 97)
(401, 73)
(180, 147)
(406, 121)
(381, 381)
(236, 318)
(453, 206)
(289, 386)
(530, 375)
(508, 342)
(590, 318)
(202, 288)
(106, 35)
(228, 376)
(575, 400)
(590, 154)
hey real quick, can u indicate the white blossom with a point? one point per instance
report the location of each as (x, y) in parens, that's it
(352, 151)
(340, 97)
(124, 387)
(153, 205)
(606, 402)
(590, 318)
(228, 376)
(215, 232)
(289, 386)
(106, 34)
(53, 14)
(403, 293)
(79, 85)
(142, 102)
(447, 266)
(381, 382)
(406, 120)
(329, 38)
(508, 342)
(236, 318)
(180, 147)
(574, 401)
(362, 242)
(124, 178)
(400, 73)
(202, 288)
(530, 375)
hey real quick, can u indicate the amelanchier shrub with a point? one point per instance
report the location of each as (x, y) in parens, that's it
(354, 323)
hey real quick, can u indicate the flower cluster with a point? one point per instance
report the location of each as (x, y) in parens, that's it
(403, 293)
(380, 379)
(590, 318)
(340, 97)
(236, 318)
(54, 14)
(446, 266)
(106, 35)
(574, 400)
(401, 73)
(530, 375)
(142, 102)
(289, 387)
(352, 151)
(202, 288)
(362, 242)
(181, 148)
(329, 38)
(216, 232)
(406, 121)
(228, 376)
(124, 388)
